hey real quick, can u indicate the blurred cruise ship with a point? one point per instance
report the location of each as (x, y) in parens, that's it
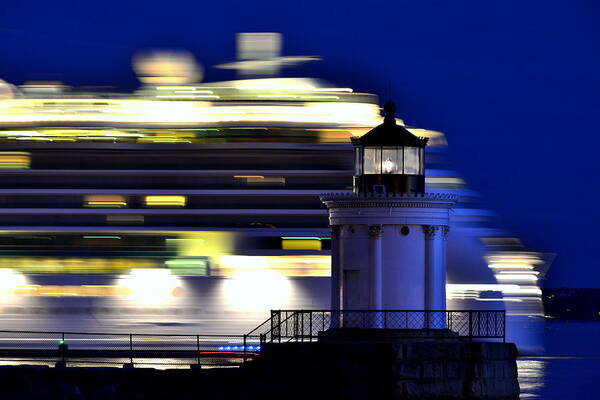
(194, 207)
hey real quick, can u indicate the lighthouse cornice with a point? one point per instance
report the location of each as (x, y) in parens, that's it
(417, 209)
(371, 200)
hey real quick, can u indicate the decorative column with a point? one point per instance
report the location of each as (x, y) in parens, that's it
(375, 233)
(435, 275)
(336, 279)
(445, 231)
(435, 270)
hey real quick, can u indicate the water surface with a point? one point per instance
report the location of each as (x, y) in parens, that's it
(559, 378)
(568, 368)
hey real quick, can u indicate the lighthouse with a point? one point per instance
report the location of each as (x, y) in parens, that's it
(388, 234)
(387, 333)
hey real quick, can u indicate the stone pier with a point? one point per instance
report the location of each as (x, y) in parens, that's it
(345, 364)
(381, 364)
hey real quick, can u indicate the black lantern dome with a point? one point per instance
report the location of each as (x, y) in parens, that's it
(389, 159)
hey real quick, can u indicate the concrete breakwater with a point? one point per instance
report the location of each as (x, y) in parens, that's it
(401, 370)
(46, 383)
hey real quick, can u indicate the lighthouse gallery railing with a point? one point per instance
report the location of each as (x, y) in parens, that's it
(305, 325)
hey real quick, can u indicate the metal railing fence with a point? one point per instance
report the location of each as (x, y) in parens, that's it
(305, 325)
(127, 348)
(225, 350)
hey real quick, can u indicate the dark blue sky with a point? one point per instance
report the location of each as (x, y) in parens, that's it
(513, 84)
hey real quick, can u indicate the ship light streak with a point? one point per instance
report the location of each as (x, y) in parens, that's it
(105, 201)
(190, 112)
(150, 286)
(10, 281)
(181, 89)
(165, 201)
(14, 160)
(257, 290)
(473, 291)
(515, 277)
(528, 272)
(511, 266)
(320, 97)
(101, 237)
(347, 90)
(188, 96)
(508, 299)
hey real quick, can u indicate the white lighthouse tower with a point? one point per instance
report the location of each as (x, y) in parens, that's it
(388, 235)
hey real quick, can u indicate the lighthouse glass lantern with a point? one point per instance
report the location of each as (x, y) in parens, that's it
(389, 159)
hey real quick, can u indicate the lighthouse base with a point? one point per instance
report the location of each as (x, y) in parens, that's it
(353, 364)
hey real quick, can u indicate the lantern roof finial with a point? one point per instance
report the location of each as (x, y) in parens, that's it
(390, 110)
(389, 133)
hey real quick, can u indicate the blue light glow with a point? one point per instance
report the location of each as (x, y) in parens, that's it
(239, 348)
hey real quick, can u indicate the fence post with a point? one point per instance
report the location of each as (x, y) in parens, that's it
(278, 329)
(470, 325)
(504, 326)
(295, 322)
(276, 325)
(198, 348)
(310, 326)
(63, 351)
(272, 323)
(301, 325)
(131, 349)
(245, 345)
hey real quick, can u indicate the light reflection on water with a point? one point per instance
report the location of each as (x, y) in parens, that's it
(559, 378)
(531, 374)
(569, 368)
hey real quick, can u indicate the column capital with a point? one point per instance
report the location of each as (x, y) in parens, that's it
(445, 231)
(375, 231)
(430, 231)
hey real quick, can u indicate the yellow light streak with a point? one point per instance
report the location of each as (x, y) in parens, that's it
(14, 160)
(184, 112)
(301, 244)
(105, 201)
(165, 201)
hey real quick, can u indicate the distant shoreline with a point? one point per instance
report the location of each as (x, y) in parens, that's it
(572, 304)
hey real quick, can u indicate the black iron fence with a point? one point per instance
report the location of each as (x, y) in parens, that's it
(305, 325)
(137, 349)
(81, 348)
